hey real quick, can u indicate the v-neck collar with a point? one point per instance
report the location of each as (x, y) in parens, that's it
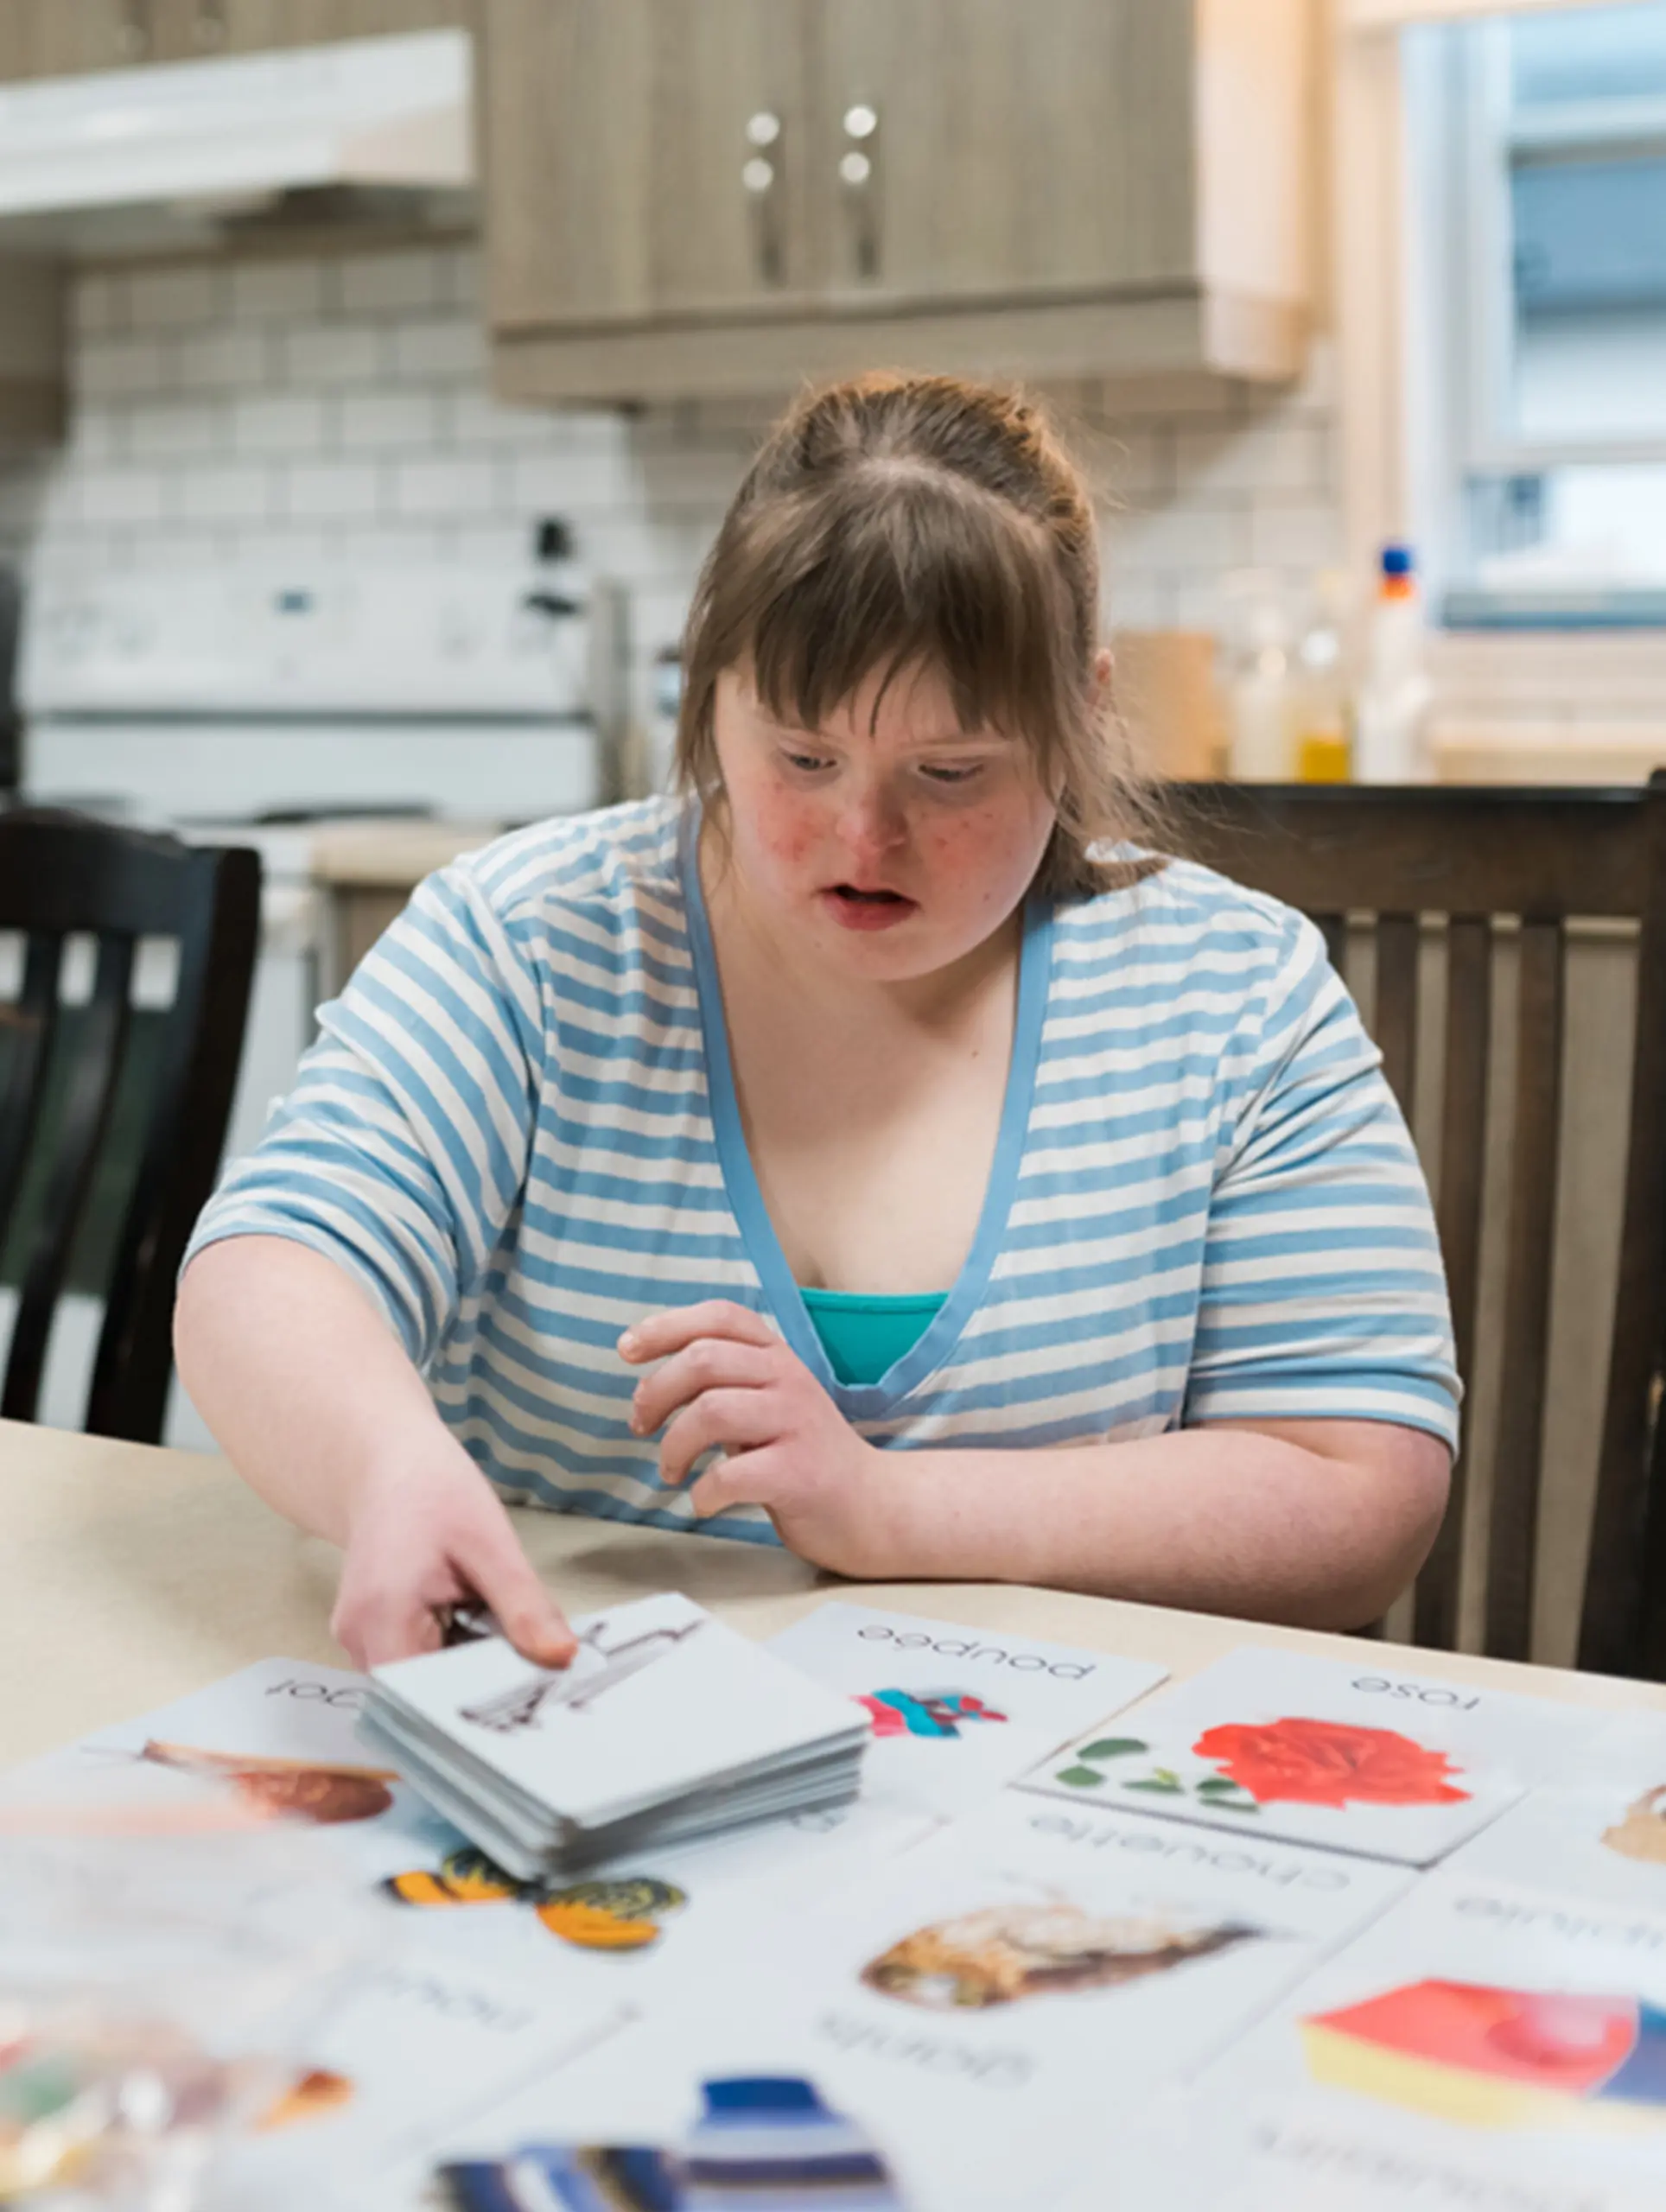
(864, 1400)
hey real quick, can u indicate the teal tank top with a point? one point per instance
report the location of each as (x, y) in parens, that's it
(864, 1337)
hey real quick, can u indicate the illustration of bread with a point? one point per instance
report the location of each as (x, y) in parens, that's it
(1641, 1833)
(305, 1789)
(1007, 1952)
(309, 2097)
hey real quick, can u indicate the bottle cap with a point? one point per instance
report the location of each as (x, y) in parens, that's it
(1398, 561)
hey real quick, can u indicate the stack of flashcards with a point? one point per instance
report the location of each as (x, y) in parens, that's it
(667, 1725)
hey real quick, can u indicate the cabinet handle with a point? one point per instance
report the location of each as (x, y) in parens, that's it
(761, 179)
(858, 176)
(209, 28)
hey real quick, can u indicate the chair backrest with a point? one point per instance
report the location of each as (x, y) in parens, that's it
(1497, 867)
(63, 876)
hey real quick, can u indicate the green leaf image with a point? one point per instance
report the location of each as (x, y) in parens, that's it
(1167, 1774)
(1218, 1785)
(1112, 1747)
(1235, 1804)
(1081, 1777)
(1158, 1785)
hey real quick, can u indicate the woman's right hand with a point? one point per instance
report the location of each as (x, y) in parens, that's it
(424, 1537)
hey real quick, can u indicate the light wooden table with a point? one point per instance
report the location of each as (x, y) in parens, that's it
(133, 1576)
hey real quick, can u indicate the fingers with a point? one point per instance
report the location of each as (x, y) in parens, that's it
(716, 1417)
(659, 1335)
(709, 1364)
(745, 1479)
(495, 1568)
(373, 1633)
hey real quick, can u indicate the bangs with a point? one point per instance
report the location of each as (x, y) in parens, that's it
(907, 569)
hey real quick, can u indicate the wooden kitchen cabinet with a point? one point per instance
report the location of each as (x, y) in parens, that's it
(63, 38)
(688, 196)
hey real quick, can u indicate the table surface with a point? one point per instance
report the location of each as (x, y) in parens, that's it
(136, 1575)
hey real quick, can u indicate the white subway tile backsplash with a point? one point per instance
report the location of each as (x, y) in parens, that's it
(1297, 535)
(390, 283)
(333, 353)
(316, 489)
(173, 299)
(104, 367)
(221, 360)
(1280, 455)
(124, 495)
(459, 489)
(443, 347)
(279, 422)
(232, 491)
(387, 419)
(277, 291)
(173, 429)
(284, 412)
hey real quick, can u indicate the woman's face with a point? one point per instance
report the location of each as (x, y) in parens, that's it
(889, 842)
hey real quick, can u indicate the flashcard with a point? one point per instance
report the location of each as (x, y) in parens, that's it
(412, 2054)
(1483, 2026)
(1367, 1757)
(956, 1713)
(663, 1700)
(1209, 2152)
(974, 1998)
(1599, 1836)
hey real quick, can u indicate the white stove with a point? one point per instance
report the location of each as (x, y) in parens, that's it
(237, 707)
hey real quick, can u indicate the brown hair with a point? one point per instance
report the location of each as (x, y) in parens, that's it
(900, 522)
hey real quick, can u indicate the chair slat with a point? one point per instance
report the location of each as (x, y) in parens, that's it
(1396, 1004)
(86, 1110)
(1334, 929)
(31, 1023)
(1457, 1213)
(1513, 1536)
(1622, 1623)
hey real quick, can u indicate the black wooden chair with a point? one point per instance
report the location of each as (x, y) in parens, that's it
(1499, 865)
(67, 1076)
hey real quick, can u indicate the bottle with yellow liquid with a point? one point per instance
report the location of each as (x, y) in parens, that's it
(1324, 749)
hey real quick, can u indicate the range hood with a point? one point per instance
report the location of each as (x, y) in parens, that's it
(127, 156)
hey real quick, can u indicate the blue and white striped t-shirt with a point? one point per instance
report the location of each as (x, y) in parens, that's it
(518, 1130)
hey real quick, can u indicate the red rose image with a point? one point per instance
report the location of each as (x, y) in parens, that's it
(1328, 1762)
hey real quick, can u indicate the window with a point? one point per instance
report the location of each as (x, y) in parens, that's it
(1538, 312)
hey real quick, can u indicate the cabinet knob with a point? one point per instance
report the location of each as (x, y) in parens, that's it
(856, 168)
(763, 129)
(758, 175)
(860, 121)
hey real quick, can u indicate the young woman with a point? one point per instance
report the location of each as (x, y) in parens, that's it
(868, 1150)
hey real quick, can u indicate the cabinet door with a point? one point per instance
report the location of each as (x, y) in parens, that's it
(260, 26)
(976, 149)
(65, 38)
(732, 226)
(568, 132)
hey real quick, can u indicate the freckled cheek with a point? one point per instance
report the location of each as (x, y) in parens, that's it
(788, 830)
(978, 850)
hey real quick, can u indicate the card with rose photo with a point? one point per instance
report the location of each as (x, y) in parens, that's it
(1375, 1759)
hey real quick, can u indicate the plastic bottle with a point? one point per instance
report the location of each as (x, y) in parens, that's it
(1323, 745)
(1393, 703)
(1260, 690)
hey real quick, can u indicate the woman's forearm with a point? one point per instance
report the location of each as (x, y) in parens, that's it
(299, 1379)
(1322, 1533)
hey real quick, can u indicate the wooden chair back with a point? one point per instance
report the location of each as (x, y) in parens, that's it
(1497, 865)
(63, 876)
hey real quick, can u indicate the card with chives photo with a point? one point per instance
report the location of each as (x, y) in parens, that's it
(1370, 1757)
(956, 1713)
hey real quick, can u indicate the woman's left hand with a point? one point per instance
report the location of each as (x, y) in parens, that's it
(729, 1381)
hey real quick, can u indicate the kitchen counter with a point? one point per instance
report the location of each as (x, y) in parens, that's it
(365, 871)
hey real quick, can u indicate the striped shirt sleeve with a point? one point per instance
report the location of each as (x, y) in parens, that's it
(402, 1149)
(1323, 1294)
